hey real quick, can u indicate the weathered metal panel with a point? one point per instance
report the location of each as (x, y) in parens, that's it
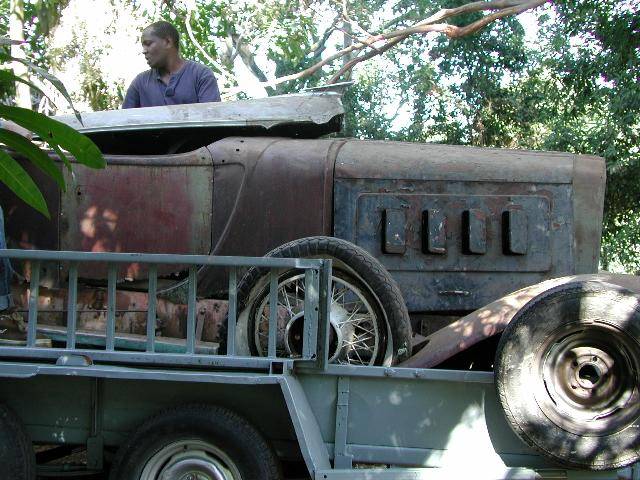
(268, 191)
(420, 161)
(145, 204)
(452, 277)
(394, 237)
(479, 222)
(588, 207)
(473, 241)
(306, 108)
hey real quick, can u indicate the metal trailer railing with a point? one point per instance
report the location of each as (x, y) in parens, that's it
(316, 307)
(422, 408)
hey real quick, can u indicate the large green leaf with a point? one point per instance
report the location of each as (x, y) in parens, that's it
(19, 181)
(55, 81)
(33, 153)
(8, 76)
(56, 133)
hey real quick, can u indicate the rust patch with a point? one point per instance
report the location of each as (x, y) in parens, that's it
(131, 312)
(494, 317)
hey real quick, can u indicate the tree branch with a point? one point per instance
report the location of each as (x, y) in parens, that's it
(509, 8)
(434, 23)
(247, 57)
(187, 22)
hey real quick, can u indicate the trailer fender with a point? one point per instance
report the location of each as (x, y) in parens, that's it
(494, 317)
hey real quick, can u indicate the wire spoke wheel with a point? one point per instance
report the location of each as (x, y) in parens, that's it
(368, 320)
(356, 334)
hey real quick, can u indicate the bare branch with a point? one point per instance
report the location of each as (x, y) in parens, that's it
(368, 49)
(247, 57)
(509, 8)
(319, 47)
(187, 21)
(372, 53)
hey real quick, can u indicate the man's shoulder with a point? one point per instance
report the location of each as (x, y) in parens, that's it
(198, 68)
(144, 76)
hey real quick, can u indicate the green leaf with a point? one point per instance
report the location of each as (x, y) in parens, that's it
(56, 133)
(62, 156)
(55, 81)
(33, 153)
(9, 77)
(19, 181)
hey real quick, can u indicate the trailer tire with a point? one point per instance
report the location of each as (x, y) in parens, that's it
(193, 439)
(352, 265)
(568, 375)
(17, 456)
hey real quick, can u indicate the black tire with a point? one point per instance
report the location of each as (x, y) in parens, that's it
(354, 264)
(17, 456)
(237, 445)
(568, 375)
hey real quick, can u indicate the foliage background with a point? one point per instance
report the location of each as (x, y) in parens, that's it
(565, 77)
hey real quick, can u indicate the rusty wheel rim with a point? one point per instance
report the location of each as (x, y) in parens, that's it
(355, 336)
(589, 378)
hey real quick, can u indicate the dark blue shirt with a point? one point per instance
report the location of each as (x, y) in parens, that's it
(193, 83)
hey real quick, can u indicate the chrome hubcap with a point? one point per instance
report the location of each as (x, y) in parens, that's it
(190, 460)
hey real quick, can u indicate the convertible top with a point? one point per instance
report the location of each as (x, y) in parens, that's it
(304, 108)
(180, 128)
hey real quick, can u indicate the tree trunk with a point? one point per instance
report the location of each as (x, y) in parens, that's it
(347, 42)
(16, 32)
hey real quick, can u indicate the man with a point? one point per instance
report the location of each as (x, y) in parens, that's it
(171, 80)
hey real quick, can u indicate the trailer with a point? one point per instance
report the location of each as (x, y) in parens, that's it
(194, 411)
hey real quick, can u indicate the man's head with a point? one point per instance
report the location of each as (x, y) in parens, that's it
(160, 44)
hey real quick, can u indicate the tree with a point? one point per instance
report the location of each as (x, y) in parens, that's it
(573, 88)
(58, 136)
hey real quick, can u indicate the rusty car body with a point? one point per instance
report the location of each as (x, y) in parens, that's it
(448, 257)
(457, 227)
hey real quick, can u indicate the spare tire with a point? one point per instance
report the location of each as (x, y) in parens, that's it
(568, 375)
(380, 333)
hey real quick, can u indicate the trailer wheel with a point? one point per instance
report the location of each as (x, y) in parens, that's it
(380, 333)
(17, 457)
(568, 375)
(198, 442)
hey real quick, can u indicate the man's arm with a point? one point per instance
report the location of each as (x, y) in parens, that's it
(207, 87)
(132, 98)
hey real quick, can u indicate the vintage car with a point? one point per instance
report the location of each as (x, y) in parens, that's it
(456, 227)
(436, 250)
